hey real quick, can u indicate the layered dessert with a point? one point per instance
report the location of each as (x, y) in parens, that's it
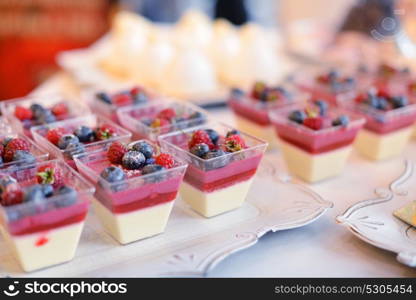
(392, 79)
(136, 186)
(316, 139)
(252, 109)
(331, 86)
(18, 150)
(106, 103)
(150, 121)
(67, 138)
(222, 164)
(24, 113)
(390, 119)
(43, 208)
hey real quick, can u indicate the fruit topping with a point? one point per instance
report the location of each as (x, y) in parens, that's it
(50, 174)
(105, 131)
(55, 134)
(143, 147)
(199, 150)
(85, 134)
(133, 160)
(264, 93)
(116, 152)
(12, 146)
(23, 113)
(134, 95)
(382, 101)
(60, 110)
(234, 143)
(201, 137)
(297, 116)
(165, 160)
(342, 120)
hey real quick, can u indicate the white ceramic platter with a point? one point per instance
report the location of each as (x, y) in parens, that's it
(191, 245)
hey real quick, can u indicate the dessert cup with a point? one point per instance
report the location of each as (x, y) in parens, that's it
(45, 233)
(217, 185)
(75, 109)
(135, 119)
(137, 207)
(315, 155)
(39, 135)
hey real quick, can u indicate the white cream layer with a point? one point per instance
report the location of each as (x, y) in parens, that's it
(136, 225)
(216, 202)
(58, 246)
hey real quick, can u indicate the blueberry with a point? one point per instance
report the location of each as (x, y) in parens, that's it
(85, 134)
(113, 174)
(133, 160)
(140, 98)
(216, 163)
(34, 194)
(399, 101)
(37, 110)
(69, 196)
(23, 157)
(237, 93)
(342, 120)
(150, 161)
(332, 75)
(232, 132)
(372, 100)
(200, 150)
(151, 169)
(46, 117)
(67, 139)
(47, 190)
(297, 116)
(73, 149)
(104, 97)
(143, 147)
(213, 135)
(382, 103)
(323, 107)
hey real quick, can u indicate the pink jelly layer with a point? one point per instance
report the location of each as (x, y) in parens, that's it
(135, 198)
(398, 123)
(258, 116)
(50, 220)
(233, 173)
(318, 143)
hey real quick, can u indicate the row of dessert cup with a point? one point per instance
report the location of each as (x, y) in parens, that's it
(46, 233)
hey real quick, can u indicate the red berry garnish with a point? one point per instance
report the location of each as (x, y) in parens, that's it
(14, 145)
(60, 110)
(314, 123)
(23, 113)
(234, 143)
(11, 196)
(55, 134)
(258, 89)
(165, 160)
(50, 174)
(135, 90)
(105, 131)
(121, 99)
(167, 113)
(1, 150)
(201, 137)
(115, 152)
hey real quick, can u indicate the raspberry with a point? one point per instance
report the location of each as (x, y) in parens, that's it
(121, 99)
(115, 152)
(314, 123)
(105, 131)
(55, 134)
(234, 143)
(50, 174)
(135, 90)
(165, 160)
(1, 150)
(201, 137)
(167, 114)
(258, 88)
(11, 196)
(60, 109)
(159, 123)
(13, 146)
(23, 113)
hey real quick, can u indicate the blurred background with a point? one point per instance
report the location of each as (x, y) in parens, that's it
(33, 32)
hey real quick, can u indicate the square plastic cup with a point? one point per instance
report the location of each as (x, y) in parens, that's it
(76, 109)
(217, 185)
(39, 135)
(386, 133)
(45, 233)
(134, 118)
(338, 95)
(314, 155)
(252, 115)
(109, 110)
(38, 153)
(136, 208)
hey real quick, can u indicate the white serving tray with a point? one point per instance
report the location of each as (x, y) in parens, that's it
(192, 245)
(372, 220)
